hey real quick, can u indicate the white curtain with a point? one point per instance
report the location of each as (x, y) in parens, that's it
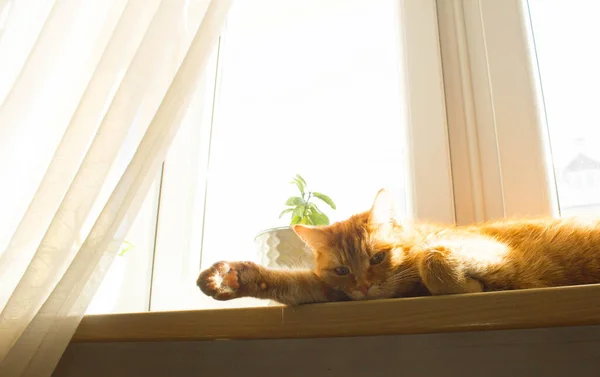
(76, 76)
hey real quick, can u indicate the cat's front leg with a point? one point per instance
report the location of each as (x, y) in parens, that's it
(444, 272)
(230, 280)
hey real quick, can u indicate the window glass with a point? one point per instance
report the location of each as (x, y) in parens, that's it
(566, 39)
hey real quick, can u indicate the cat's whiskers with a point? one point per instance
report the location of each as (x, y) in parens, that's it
(407, 272)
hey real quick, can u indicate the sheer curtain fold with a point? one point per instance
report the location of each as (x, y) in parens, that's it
(74, 143)
(20, 24)
(147, 59)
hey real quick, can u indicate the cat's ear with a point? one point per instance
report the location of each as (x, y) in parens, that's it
(314, 237)
(383, 210)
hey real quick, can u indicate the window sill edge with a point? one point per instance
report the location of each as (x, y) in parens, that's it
(530, 308)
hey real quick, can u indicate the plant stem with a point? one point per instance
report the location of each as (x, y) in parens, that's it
(306, 206)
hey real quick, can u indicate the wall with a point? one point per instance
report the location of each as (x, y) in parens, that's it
(539, 352)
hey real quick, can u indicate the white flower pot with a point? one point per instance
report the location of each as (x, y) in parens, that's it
(282, 248)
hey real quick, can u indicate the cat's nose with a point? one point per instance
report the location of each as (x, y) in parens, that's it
(364, 288)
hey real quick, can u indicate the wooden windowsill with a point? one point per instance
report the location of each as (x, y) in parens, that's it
(550, 307)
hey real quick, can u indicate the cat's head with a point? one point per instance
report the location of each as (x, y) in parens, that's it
(362, 256)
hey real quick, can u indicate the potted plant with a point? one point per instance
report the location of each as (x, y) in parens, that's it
(281, 247)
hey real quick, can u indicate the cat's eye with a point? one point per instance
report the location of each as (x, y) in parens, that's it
(377, 258)
(342, 270)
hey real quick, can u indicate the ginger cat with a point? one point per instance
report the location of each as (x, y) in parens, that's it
(373, 256)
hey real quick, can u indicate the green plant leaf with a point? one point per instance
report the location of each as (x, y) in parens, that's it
(125, 248)
(314, 207)
(298, 211)
(294, 201)
(300, 183)
(287, 210)
(319, 218)
(324, 198)
(298, 177)
(306, 220)
(297, 214)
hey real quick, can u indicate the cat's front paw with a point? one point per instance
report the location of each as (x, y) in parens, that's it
(227, 280)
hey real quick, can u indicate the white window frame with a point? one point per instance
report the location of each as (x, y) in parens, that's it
(498, 135)
(429, 175)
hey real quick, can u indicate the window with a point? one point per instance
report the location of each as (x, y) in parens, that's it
(568, 68)
(520, 93)
(345, 93)
(470, 110)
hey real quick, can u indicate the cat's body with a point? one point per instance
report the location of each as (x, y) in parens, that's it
(371, 255)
